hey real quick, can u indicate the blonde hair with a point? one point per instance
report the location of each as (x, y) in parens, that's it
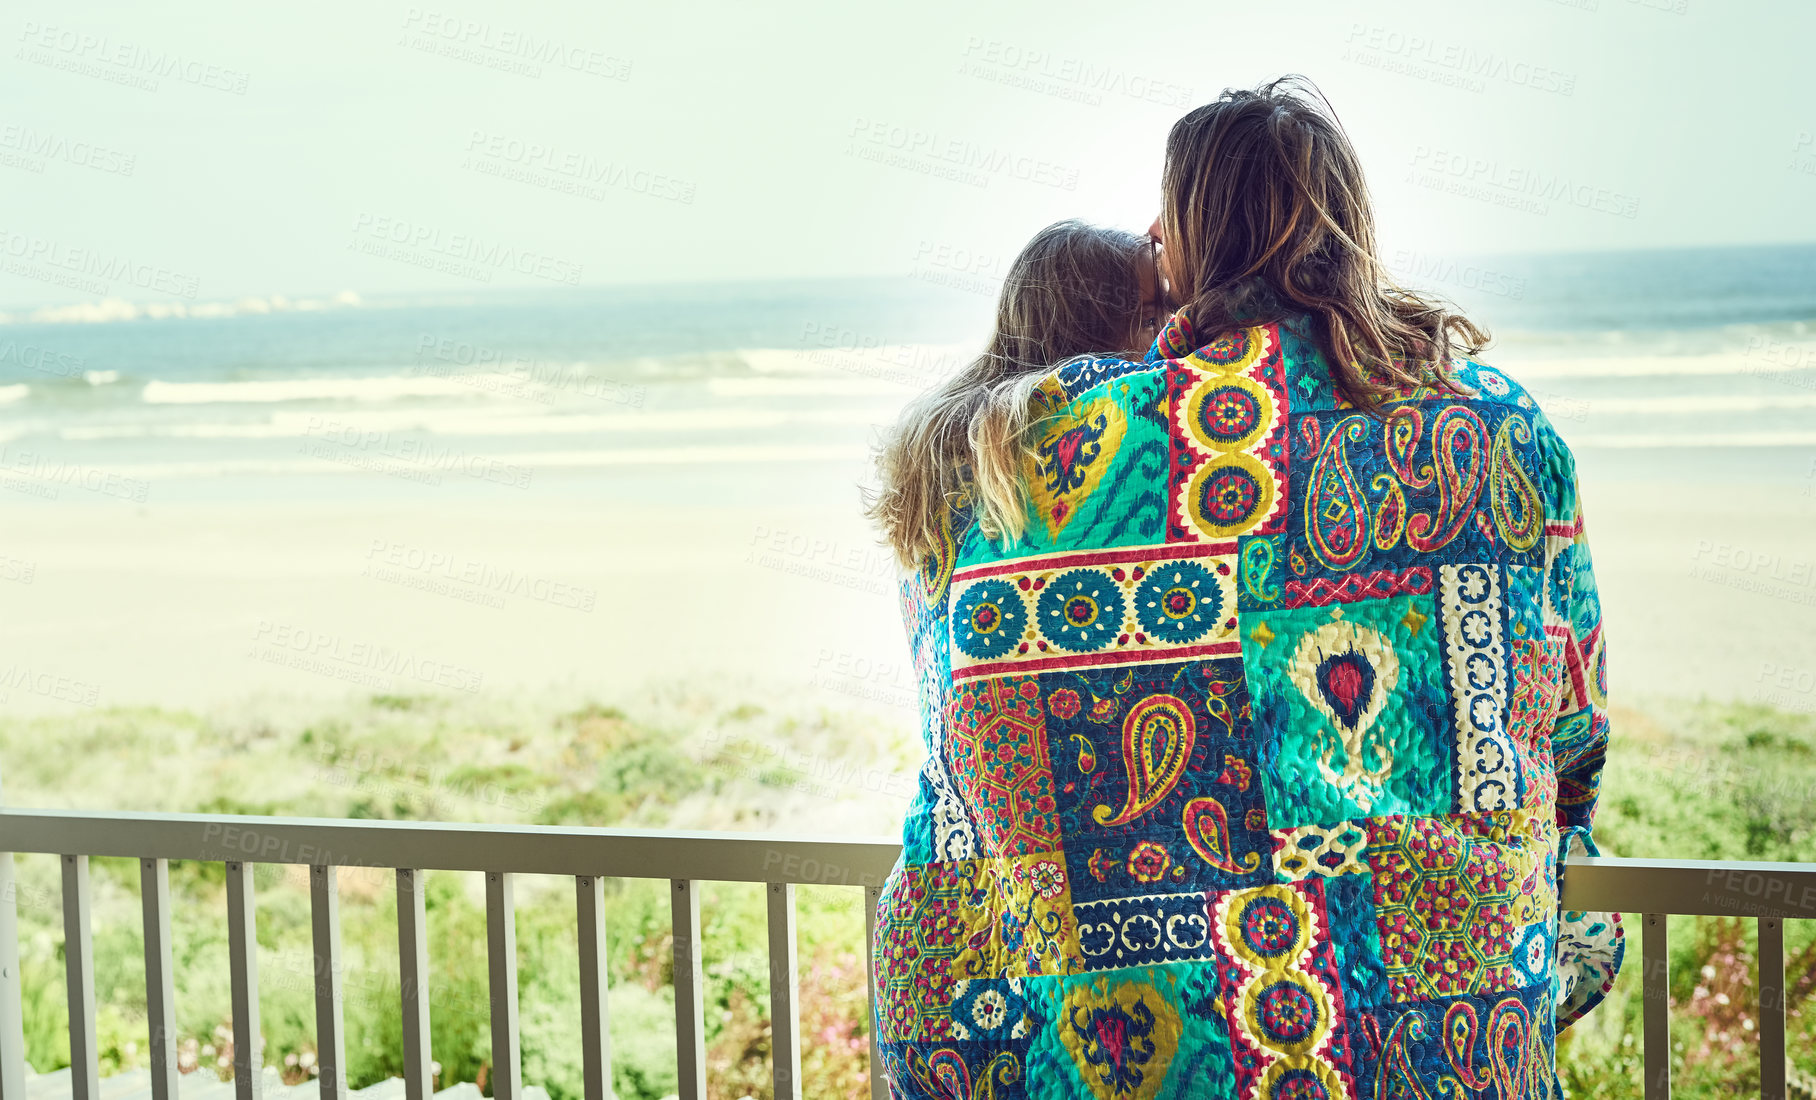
(1076, 289)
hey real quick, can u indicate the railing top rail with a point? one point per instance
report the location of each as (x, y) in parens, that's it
(1766, 867)
(1783, 890)
(1700, 886)
(455, 846)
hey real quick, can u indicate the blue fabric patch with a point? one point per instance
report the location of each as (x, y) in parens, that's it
(1155, 776)
(1153, 928)
(1084, 373)
(942, 1071)
(990, 1010)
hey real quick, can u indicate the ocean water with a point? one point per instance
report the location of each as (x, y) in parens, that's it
(692, 390)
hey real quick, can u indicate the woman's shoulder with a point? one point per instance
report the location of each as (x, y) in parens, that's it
(1491, 385)
(1495, 387)
(1516, 419)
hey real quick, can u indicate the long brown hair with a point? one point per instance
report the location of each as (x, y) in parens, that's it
(1076, 289)
(1265, 212)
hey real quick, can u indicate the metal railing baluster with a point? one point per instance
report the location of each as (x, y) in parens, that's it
(1772, 1065)
(160, 977)
(413, 983)
(784, 993)
(79, 974)
(12, 1007)
(595, 1016)
(879, 1087)
(330, 1037)
(690, 1009)
(1655, 986)
(501, 958)
(243, 967)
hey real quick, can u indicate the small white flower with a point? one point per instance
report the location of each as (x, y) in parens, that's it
(990, 1009)
(1046, 878)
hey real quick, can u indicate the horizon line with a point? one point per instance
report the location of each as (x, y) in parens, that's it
(320, 300)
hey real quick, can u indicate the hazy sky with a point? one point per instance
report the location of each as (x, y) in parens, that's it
(305, 149)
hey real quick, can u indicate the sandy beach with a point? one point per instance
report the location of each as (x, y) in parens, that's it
(195, 605)
(199, 603)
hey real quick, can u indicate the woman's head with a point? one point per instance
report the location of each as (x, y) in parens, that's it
(1264, 211)
(1075, 289)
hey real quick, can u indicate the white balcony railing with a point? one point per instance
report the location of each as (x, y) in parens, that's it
(1646, 891)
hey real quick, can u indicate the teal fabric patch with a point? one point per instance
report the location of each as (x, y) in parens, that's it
(1099, 478)
(1307, 378)
(1525, 602)
(1585, 613)
(1146, 1031)
(1556, 472)
(1349, 710)
(1356, 940)
(1572, 735)
(933, 677)
(917, 826)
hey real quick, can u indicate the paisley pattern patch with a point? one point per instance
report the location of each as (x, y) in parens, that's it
(1443, 482)
(1156, 780)
(1469, 1045)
